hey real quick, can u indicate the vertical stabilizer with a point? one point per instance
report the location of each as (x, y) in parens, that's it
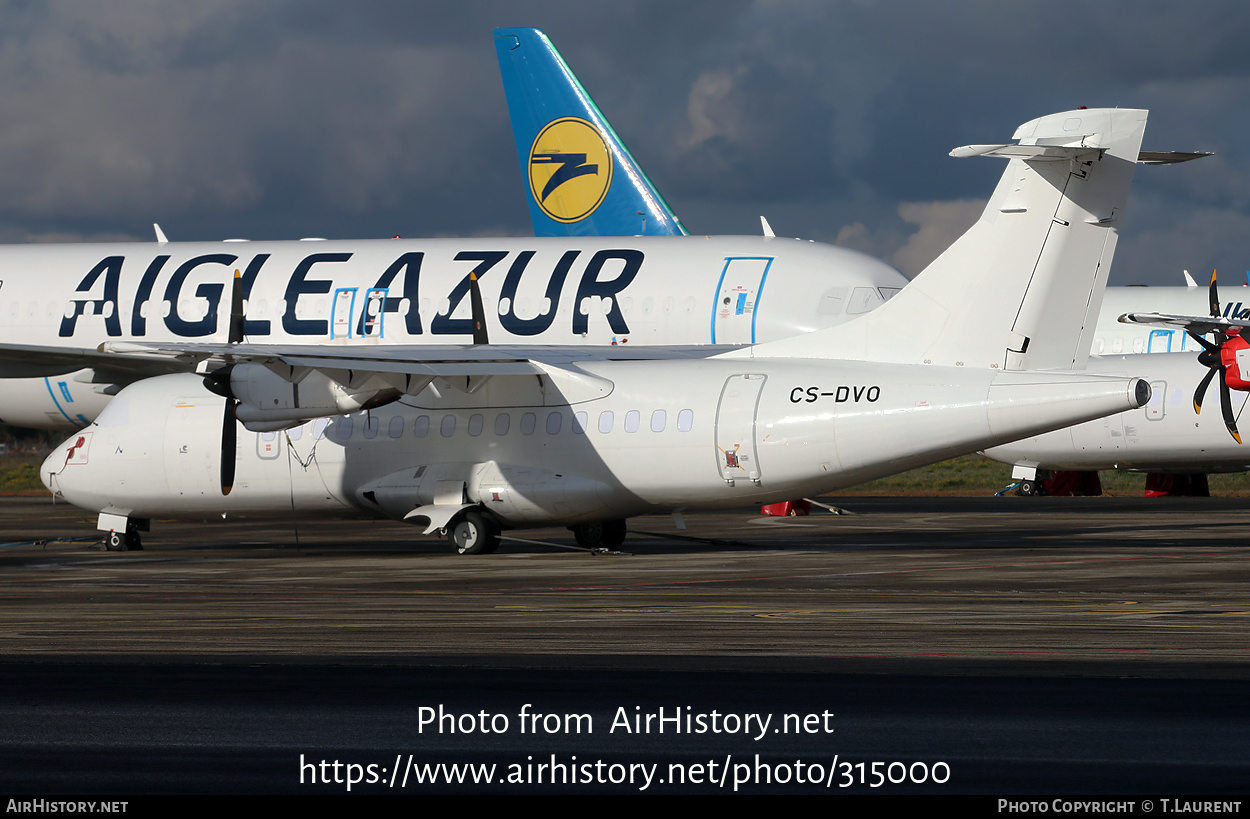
(580, 179)
(1023, 287)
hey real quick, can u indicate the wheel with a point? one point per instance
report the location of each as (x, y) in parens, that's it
(115, 541)
(475, 533)
(1029, 487)
(613, 534)
(133, 543)
(604, 534)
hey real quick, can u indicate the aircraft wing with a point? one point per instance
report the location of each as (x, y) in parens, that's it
(1199, 325)
(432, 360)
(275, 386)
(35, 361)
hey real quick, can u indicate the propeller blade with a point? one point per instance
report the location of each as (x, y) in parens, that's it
(1226, 406)
(234, 334)
(479, 312)
(1201, 392)
(229, 446)
(1214, 298)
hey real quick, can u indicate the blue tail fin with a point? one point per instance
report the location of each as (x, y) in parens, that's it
(580, 178)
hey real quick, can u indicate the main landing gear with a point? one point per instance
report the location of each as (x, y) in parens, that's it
(474, 533)
(604, 534)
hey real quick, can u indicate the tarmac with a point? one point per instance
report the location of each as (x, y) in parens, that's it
(1032, 645)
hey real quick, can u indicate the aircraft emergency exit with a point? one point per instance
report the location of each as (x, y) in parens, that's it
(987, 345)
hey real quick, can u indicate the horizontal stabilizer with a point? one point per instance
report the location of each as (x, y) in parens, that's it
(1078, 152)
(1053, 153)
(1169, 157)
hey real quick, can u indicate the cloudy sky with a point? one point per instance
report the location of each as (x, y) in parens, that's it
(273, 120)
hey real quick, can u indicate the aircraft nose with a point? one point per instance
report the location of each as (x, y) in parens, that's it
(52, 470)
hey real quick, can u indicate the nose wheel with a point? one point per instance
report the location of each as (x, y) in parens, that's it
(127, 541)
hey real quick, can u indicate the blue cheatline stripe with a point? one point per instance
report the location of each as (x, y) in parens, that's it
(716, 294)
(47, 382)
(69, 399)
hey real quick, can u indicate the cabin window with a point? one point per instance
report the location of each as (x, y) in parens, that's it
(579, 423)
(502, 422)
(475, 424)
(605, 421)
(658, 420)
(528, 421)
(448, 427)
(553, 422)
(685, 420)
(396, 429)
(421, 426)
(631, 421)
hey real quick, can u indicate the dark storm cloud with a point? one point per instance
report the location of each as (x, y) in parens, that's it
(283, 119)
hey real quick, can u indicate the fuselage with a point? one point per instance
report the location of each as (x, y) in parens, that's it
(634, 436)
(636, 291)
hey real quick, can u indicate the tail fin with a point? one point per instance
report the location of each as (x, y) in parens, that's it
(1023, 287)
(580, 178)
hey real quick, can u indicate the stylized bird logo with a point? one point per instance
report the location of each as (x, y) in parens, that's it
(571, 167)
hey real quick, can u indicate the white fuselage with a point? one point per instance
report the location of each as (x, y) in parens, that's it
(667, 435)
(626, 290)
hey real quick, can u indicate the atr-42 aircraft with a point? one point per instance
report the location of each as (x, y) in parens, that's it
(987, 345)
(61, 302)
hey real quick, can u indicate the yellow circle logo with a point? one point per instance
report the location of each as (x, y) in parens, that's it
(570, 169)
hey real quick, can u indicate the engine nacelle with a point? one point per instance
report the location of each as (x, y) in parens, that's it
(268, 401)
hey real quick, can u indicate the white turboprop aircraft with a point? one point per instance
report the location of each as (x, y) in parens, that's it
(985, 346)
(60, 302)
